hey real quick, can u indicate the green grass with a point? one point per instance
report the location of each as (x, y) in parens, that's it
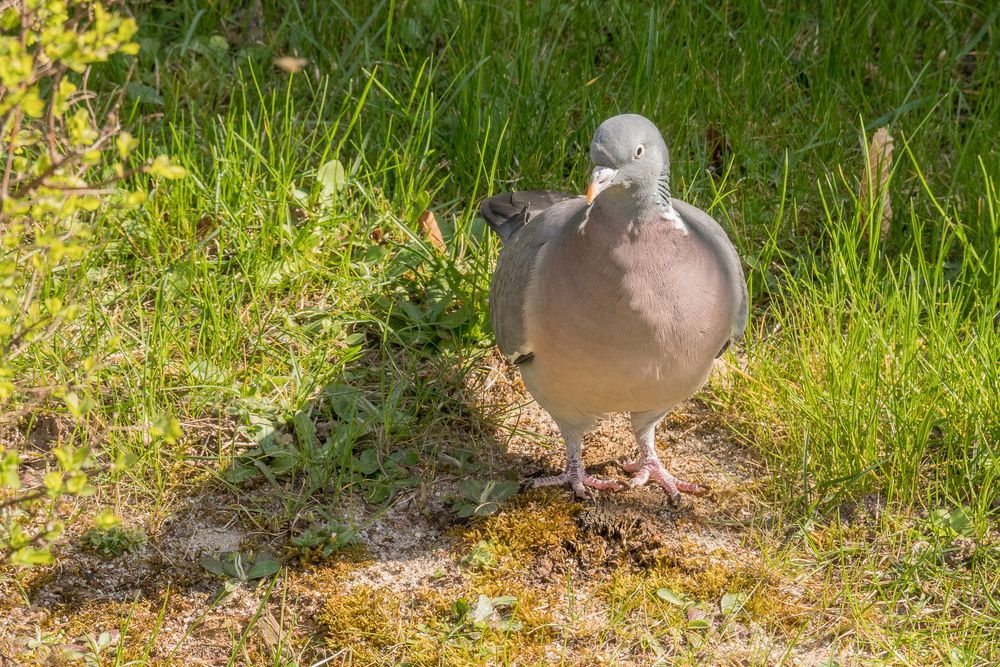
(253, 296)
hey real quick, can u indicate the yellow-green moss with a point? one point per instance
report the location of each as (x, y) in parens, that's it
(331, 574)
(530, 523)
(364, 620)
(378, 626)
(631, 591)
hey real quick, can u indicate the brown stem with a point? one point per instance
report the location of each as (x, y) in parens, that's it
(26, 498)
(68, 159)
(50, 118)
(15, 127)
(35, 539)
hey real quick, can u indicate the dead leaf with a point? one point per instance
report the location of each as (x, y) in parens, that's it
(875, 180)
(430, 231)
(290, 64)
(695, 614)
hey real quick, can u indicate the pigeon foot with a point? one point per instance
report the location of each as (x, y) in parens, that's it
(579, 480)
(652, 469)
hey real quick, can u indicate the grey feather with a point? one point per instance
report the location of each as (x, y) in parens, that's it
(728, 261)
(508, 212)
(516, 265)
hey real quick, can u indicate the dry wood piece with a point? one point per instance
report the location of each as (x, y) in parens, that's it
(429, 230)
(875, 180)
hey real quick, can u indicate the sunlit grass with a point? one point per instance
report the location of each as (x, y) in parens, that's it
(250, 294)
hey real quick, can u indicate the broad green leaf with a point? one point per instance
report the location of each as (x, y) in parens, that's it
(732, 602)
(671, 597)
(960, 522)
(213, 565)
(367, 463)
(331, 177)
(265, 566)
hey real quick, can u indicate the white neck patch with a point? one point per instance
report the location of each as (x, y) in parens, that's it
(674, 217)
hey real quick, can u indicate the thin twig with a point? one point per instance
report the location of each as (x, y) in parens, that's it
(26, 498)
(15, 127)
(50, 118)
(68, 159)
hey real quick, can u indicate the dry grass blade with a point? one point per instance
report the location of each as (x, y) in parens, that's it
(429, 230)
(875, 180)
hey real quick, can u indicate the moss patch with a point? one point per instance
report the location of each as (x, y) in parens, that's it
(536, 520)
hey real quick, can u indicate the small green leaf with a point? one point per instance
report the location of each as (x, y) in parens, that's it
(671, 597)
(213, 565)
(265, 566)
(732, 602)
(461, 609)
(140, 92)
(960, 522)
(406, 457)
(331, 177)
(240, 473)
(305, 430)
(367, 463)
(504, 489)
(282, 462)
(377, 492)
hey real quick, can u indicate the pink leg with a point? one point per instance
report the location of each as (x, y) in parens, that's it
(579, 483)
(652, 469)
(575, 475)
(648, 466)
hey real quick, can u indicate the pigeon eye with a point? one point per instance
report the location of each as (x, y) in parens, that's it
(639, 150)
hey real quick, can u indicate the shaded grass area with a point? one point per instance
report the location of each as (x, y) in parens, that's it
(315, 349)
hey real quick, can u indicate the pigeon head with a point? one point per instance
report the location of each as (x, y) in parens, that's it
(629, 155)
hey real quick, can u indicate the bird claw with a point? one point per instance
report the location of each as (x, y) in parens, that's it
(579, 481)
(652, 469)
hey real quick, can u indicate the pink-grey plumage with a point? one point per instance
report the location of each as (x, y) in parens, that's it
(620, 305)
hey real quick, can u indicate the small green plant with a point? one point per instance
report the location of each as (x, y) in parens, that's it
(95, 646)
(381, 478)
(732, 603)
(482, 497)
(697, 615)
(482, 556)
(952, 536)
(236, 570)
(62, 156)
(486, 612)
(114, 541)
(326, 538)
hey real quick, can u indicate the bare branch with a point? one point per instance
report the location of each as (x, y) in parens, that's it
(50, 118)
(11, 147)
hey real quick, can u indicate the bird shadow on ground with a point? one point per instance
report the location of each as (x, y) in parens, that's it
(411, 541)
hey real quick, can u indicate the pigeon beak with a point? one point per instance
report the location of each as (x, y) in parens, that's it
(599, 182)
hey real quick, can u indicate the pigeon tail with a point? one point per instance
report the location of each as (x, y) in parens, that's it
(508, 212)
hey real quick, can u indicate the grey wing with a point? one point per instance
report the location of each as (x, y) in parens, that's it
(715, 237)
(515, 270)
